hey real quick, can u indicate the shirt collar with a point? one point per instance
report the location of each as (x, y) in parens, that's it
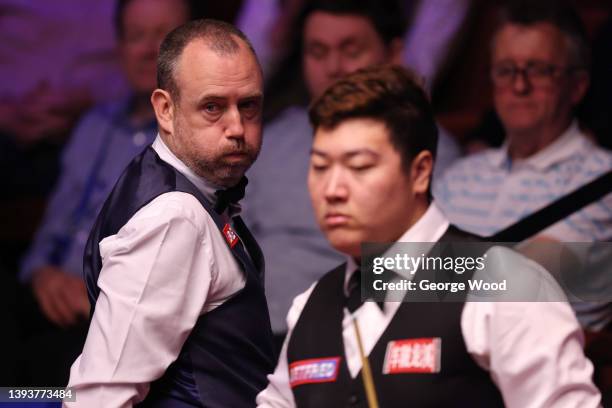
(429, 228)
(164, 153)
(561, 149)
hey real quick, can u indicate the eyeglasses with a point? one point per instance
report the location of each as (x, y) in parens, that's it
(538, 74)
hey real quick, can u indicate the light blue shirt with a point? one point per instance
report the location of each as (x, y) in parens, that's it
(486, 193)
(101, 146)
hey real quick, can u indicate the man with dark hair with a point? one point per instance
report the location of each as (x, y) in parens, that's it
(369, 182)
(338, 37)
(540, 61)
(102, 144)
(174, 278)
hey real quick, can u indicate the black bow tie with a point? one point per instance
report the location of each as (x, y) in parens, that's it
(230, 195)
(353, 300)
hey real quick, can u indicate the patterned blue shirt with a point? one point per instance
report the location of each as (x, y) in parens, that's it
(101, 146)
(486, 192)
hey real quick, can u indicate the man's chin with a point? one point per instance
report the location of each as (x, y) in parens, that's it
(231, 175)
(345, 242)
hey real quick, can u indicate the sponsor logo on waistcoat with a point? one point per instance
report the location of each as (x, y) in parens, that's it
(230, 235)
(315, 370)
(413, 356)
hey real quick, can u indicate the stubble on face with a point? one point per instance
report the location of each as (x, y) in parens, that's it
(224, 167)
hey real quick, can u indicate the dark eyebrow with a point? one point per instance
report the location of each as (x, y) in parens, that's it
(353, 153)
(256, 96)
(212, 96)
(217, 97)
(314, 42)
(316, 152)
(349, 41)
(346, 155)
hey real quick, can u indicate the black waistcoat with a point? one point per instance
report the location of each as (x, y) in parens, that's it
(229, 352)
(460, 382)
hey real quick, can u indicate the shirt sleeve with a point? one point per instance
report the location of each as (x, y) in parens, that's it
(278, 393)
(156, 275)
(533, 352)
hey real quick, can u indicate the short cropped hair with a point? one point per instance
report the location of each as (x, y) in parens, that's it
(559, 13)
(220, 36)
(390, 94)
(388, 17)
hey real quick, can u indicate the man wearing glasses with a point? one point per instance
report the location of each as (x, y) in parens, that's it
(539, 72)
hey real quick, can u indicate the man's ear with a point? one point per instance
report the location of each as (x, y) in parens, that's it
(396, 48)
(421, 170)
(582, 80)
(164, 108)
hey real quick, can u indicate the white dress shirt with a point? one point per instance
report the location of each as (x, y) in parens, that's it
(164, 268)
(533, 351)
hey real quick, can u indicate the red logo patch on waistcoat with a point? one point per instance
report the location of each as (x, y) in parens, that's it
(230, 235)
(413, 356)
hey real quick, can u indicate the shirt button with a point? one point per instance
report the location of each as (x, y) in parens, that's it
(139, 139)
(353, 399)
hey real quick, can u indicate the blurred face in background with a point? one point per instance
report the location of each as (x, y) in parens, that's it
(338, 44)
(540, 99)
(144, 24)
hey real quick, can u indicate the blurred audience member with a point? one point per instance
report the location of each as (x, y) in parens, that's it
(339, 37)
(105, 140)
(540, 61)
(59, 58)
(433, 25)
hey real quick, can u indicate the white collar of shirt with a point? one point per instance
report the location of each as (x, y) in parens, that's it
(564, 147)
(164, 153)
(429, 228)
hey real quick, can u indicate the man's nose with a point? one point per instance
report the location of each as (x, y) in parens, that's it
(336, 187)
(521, 83)
(234, 127)
(335, 66)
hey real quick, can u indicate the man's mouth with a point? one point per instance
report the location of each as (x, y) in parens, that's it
(336, 219)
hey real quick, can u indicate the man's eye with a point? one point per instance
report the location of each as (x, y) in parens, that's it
(250, 107)
(318, 167)
(540, 70)
(353, 51)
(211, 107)
(361, 167)
(316, 51)
(504, 72)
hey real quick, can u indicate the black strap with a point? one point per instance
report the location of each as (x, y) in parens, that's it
(556, 211)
